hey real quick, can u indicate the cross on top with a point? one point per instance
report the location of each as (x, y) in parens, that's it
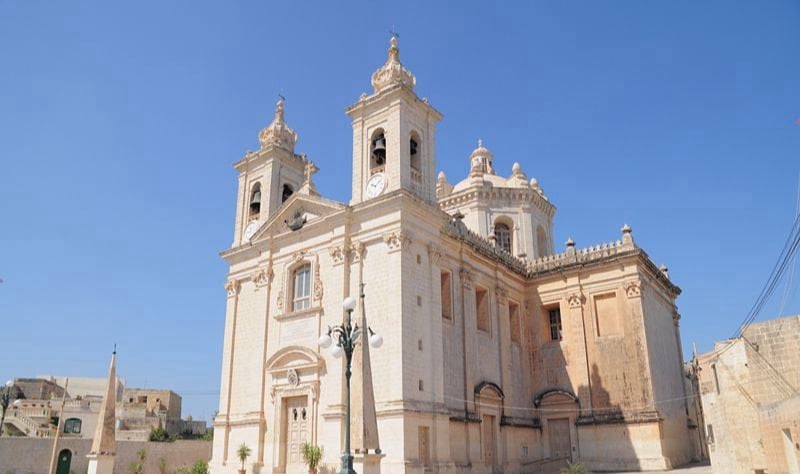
(310, 169)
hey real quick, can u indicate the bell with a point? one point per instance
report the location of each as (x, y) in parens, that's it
(379, 144)
(256, 198)
(413, 147)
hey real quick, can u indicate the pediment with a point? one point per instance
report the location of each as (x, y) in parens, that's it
(311, 208)
(293, 357)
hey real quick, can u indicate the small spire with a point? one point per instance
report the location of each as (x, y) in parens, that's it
(570, 242)
(480, 143)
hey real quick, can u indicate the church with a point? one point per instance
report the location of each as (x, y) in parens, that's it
(500, 354)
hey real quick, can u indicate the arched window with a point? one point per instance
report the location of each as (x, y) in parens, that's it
(415, 154)
(377, 149)
(541, 242)
(301, 289)
(72, 425)
(287, 192)
(502, 235)
(255, 200)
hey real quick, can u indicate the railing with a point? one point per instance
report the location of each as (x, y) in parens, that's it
(584, 255)
(28, 426)
(377, 169)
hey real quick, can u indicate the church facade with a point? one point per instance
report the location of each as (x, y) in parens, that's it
(499, 354)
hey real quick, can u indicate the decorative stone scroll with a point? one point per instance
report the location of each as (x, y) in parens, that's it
(232, 288)
(502, 294)
(261, 278)
(633, 289)
(396, 240)
(357, 250)
(318, 290)
(279, 298)
(337, 255)
(466, 278)
(434, 254)
(575, 300)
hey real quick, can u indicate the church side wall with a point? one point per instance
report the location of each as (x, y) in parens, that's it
(660, 318)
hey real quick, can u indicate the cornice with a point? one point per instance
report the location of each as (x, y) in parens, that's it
(489, 193)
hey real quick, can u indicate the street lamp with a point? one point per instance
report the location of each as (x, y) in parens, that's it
(5, 398)
(346, 337)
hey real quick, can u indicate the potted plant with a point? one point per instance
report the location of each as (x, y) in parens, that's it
(312, 455)
(244, 453)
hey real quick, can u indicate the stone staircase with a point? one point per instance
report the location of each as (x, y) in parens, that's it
(17, 421)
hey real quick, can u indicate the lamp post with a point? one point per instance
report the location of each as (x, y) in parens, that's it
(347, 337)
(5, 398)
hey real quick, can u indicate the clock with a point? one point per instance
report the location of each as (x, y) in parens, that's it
(250, 230)
(376, 185)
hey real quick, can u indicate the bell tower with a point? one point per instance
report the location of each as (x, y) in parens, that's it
(268, 177)
(393, 136)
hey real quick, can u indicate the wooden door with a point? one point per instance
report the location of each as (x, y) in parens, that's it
(64, 461)
(560, 444)
(489, 453)
(296, 414)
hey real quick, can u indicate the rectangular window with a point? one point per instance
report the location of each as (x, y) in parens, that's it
(709, 434)
(513, 322)
(607, 315)
(302, 288)
(447, 296)
(482, 309)
(554, 321)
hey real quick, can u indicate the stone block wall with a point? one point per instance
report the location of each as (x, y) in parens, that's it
(32, 455)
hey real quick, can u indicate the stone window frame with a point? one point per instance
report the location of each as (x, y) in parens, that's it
(254, 188)
(512, 331)
(417, 157)
(488, 329)
(548, 323)
(508, 223)
(308, 297)
(452, 317)
(595, 317)
(376, 168)
(70, 425)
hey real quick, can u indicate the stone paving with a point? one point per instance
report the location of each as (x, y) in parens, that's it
(702, 469)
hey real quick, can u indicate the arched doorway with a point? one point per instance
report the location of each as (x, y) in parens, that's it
(64, 461)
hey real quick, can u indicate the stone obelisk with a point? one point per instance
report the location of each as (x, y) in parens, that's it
(101, 457)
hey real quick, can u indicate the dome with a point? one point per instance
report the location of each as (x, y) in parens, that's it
(278, 133)
(392, 72)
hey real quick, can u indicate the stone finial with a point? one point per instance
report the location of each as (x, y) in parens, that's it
(442, 178)
(663, 268)
(278, 133)
(534, 183)
(627, 235)
(392, 72)
(570, 243)
(516, 172)
(571, 252)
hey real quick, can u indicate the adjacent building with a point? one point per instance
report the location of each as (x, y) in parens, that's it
(37, 407)
(500, 355)
(751, 404)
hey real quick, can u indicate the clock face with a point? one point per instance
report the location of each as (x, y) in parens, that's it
(250, 230)
(376, 185)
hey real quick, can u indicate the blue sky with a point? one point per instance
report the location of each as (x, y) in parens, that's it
(119, 125)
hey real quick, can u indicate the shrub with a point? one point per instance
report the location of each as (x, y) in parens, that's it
(312, 454)
(577, 468)
(159, 435)
(200, 467)
(243, 452)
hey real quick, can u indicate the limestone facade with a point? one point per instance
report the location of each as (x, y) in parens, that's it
(750, 400)
(499, 354)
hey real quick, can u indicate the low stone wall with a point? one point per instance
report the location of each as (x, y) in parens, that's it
(32, 455)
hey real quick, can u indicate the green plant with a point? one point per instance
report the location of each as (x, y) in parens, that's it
(577, 468)
(200, 467)
(312, 455)
(243, 452)
(162, 466)
(138, 466)
(209, 435)
(159, 435)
